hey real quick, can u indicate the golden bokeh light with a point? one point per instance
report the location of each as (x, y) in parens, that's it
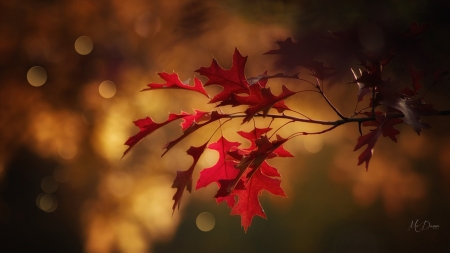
(49, 184)
(37, 76)
(205, 221)
(84, 45)
(67, 149)
(313, 143)
(47, 202)
(107, 89)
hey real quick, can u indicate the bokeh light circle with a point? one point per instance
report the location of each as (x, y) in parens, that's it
(47, 202)
(205, 221)
(67, 150)
(37, 76)
(313, 144)
(49, 184)
(107, 89)
(84, 45)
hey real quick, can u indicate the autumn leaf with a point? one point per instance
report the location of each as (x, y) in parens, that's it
(196, 117)
(383, 126)
(256, 134)
(362, 88)
(248, 204)
(192, 128)
(369, 79)
(184, 178)
(233, 80)
(174, 82)
(255, 98)
(369, 139)
(386, 124)
(223, 169)
(268, 101)
(148, 126)
(295, 54)
(253, 159)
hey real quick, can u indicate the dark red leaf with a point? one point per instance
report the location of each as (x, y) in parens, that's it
(148, 126)
(248, 204)
(197, 117)
(174, 82)
(295, 54)
(369, 79)
(255, 134)
(194, 127)
(369, 139)
(223, 169)
(362, 89)
(233, 80)
(386, 124)
(184, 178)
(254, 159)
(268, 101)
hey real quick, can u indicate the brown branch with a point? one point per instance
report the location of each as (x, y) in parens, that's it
(339, 122)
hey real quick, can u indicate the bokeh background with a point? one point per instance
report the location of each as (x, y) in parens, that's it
(71, 72)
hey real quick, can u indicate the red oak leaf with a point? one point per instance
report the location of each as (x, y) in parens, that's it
(184, 178)
(223, 169)
(268, 101)
(253, 160)
(248, 204)
(233, 80)
(296, 54)
(255, 134)
(369, 139)
(148, 126)
(174, 82)
(369, 79)
(387, 125)
(197, 117)
(384, 126)
(194, 127)
(363, 89)
(255, 98)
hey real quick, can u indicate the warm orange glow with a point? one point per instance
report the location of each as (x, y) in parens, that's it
(84, 45)
(107, 89)
(37, 76)
(70, 132)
